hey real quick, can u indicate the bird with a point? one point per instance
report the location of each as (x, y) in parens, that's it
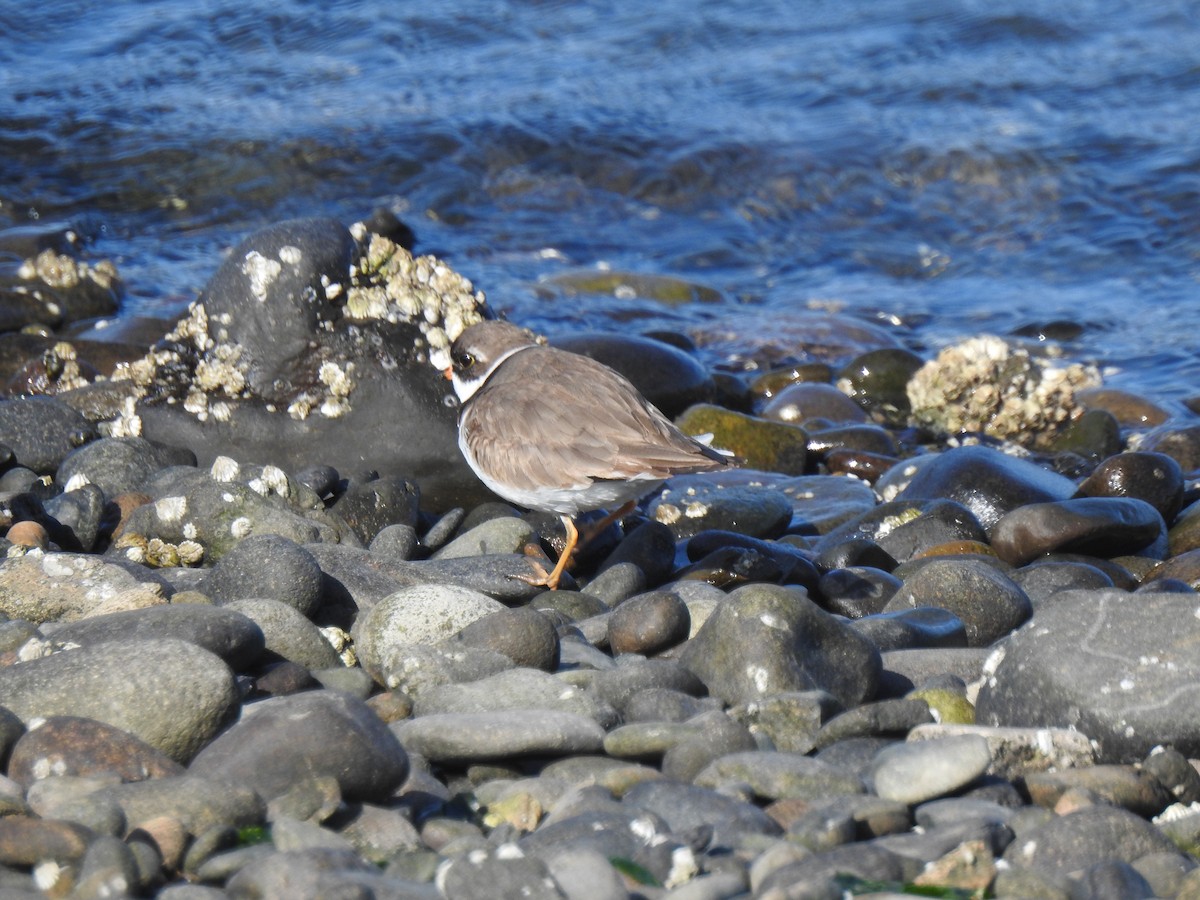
(558, 432)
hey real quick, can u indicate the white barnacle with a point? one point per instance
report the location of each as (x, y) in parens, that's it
(667, 513)
(696, 510)
(75, 482)
(170, 509)
(291, 255)
(224, 469)
(261, 272)
(240, 527)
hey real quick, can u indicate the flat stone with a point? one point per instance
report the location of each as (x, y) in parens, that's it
(920, 771)
(1099, 526)
(515, 689)
(989, 603)
(73, 746)
(469, 737)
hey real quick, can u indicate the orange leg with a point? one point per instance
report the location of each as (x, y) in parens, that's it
(573, 542)
(595, 528)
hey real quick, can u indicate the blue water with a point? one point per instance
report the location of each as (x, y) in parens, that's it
(939, 168)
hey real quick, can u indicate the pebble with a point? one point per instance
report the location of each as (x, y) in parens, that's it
(976, 678)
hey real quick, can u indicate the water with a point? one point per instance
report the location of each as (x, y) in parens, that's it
(940, 168)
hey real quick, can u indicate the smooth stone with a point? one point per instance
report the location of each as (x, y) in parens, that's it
(199, 803)
(802, 401)
(617, 583)
(1175, 772)
(415, 668)
(524, 635)
(1152, 477)
(877, 381)
(790, 720)
(820, 875)
(42, 431)
(761, 443)
(77, 518)
(648, 624)
(716, 736)
(793, 565)
(1124, 786)
(1180, 442)
(505, 577)
(903, 529)
(316, 872)
(369, 506)
(467, 737)
(985, 481)
(397, 543)
(989, 604)
(883, 718)
(26, 841)
(857, 591)
(73, 746)
(1117, 666)
(356, 580)
(169, 693)
(228, 633)
(917, 772)
(923, 626)
(267, 565)
(668, 377)
(279, 740)
(775, 775)
(288, 633)
(688, 807)
(63, 587)
(489, 875)
(1099, 526)
(420, 614)
(1083, 838)
(1041, 581)
(585, 875)
(650, 547)
(1170, 574)
(666, 705)
(764, 640)
(689, 504)
(1017, 752)
(504, 534)
(910, 668)
(516, 689)
(858, 438)
(631, 675)
(1128, 408)
(117, 465)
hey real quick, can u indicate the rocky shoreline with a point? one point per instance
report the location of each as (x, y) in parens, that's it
(262, 634)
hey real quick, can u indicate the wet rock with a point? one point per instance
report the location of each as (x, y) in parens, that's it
(1094, 435)
(877, 381)
(171, 694)
(989, 604)
(42, 431)
(804, 401)
(1101, 526)
(319, 733)
(370, 506)
(267, 565)
(690, 504)
(856, 591)
(666, 376)
(1181, 443)
(986, 482)
(1042, 580)
(760, 443)
(903, 529)
(1114, 665)
(857, 438)
(1129, 409)
(763, 640)
(923, 626)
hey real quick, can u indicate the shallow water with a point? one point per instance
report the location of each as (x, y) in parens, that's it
(939, 168)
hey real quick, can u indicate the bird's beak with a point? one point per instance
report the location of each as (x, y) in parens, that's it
(449, 373)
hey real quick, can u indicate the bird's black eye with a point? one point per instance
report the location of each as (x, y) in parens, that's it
(462, 360)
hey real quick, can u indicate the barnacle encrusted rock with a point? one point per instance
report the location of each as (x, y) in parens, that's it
(313, 343)
(987, 385)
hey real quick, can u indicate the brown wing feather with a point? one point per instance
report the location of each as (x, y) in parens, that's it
(619, 436)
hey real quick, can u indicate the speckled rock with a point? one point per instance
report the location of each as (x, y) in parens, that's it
(267, 565)
(690, 504)
(1085, 837)
(763, 640)
(370, 506)
(70, 745)
(648, 623)
(1116, 666)
(171, 694)
(62, 587)
(282, 740)
(503, 534)
(989, 603)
